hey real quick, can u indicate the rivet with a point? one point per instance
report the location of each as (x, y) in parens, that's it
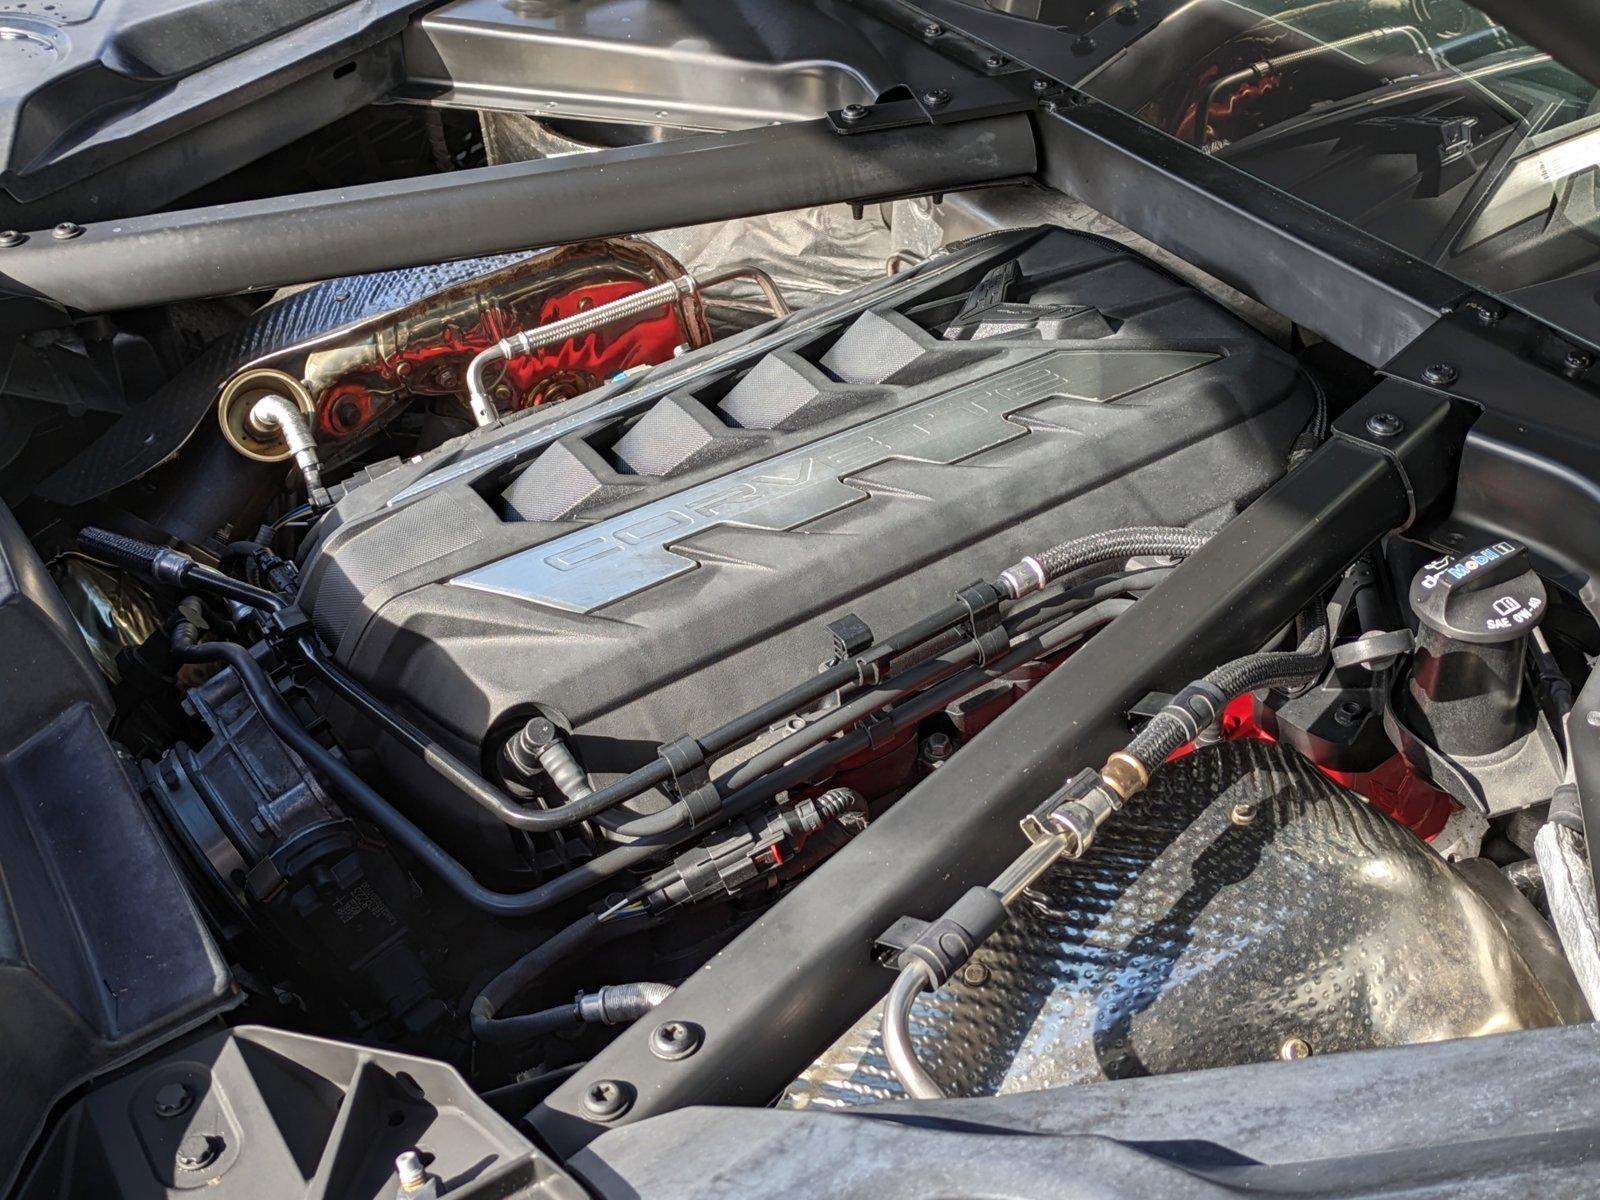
(1242, 814)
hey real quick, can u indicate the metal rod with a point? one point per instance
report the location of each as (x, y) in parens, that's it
(259, 244)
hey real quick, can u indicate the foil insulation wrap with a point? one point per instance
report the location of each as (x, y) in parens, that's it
(1243, 909)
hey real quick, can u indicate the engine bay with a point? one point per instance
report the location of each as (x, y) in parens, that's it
(463, 716)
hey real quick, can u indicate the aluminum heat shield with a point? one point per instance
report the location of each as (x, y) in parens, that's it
(362, 322)
(1186, 940)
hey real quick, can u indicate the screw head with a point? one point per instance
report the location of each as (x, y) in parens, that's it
(1083, 44)
(994, 62)
(672, 1040)
(1385, 425)
(1486, 312)
(173, 1100)
(1041, 85)
(12, 237)
(1242, 814)
(855, 112)
(935, 97)
(1577, 360)
(1593, 718)
(66, 230)
(1439, 374)
(974, 974)
(198, 1151)
(1294, 1048)
(1128, 15)
(932, 29)
(607, 1099)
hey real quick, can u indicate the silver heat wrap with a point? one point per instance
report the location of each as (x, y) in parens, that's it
(1245, 908)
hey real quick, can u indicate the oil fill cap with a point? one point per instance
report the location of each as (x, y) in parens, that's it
(1491, 595)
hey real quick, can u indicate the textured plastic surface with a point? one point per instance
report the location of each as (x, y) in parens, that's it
(1473, 1119)
(45, 666)
(254, 1113)
(960, 457)
(1187, 940)
(101, 951)
(1489, 596)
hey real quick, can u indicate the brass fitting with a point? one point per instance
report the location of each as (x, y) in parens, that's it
(1124, 775)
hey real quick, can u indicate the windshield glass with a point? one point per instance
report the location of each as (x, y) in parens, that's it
(1420, 121)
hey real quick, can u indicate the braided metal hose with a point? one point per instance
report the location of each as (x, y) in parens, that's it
(1038, 571)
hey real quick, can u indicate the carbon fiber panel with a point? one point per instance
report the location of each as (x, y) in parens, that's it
(1186, 941)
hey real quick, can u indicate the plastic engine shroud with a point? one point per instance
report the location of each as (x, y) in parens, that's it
(662, 574)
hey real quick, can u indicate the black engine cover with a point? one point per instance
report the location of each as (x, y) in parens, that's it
(656, 576)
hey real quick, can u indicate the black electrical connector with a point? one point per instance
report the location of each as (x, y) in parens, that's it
(747, 855)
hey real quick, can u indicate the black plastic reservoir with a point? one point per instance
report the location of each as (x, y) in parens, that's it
(1474, 613)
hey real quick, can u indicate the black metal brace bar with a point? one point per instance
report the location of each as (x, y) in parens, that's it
(228, 248)
(795, 980)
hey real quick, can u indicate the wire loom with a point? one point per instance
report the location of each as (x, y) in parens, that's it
(1189, 939)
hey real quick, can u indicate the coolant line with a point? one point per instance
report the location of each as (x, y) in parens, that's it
(274, 414)
(529, 340)
(912, 981)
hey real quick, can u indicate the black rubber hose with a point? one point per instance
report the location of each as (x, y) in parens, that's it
(499, 991)
(508, 1030)
(1176, 723)
(940, 678)
(166, 565)
(395, 825)
(467, 781)
(160, 562)
(570, 884)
